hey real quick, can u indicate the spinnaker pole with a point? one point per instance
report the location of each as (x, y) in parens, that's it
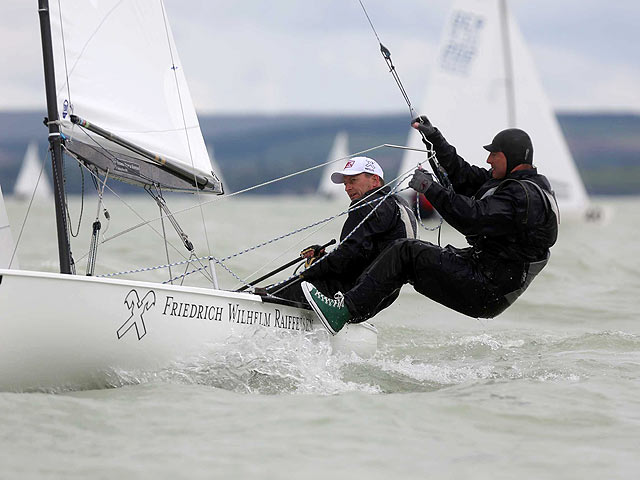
(55, 140)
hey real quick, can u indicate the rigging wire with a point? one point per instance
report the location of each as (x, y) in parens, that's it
(323, 258)
(185, 129)
(164, 235)
(399, 179)
(26, 215)
(96, 227)
(269, 182)
(242, 252)
(186, 132)
(69, 105)
(64, 54)
(439, 172)
(66, 203)
(386, 54)
(135, 212)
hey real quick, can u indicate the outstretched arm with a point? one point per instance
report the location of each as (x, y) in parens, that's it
(465, 178)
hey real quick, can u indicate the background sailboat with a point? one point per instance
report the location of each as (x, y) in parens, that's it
(340, 149)
(484, 81)
(6, 239)
(30, 175)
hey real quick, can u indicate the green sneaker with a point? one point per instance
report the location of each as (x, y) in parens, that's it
(332, 312)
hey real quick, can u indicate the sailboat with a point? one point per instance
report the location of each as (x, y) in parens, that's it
(484, 81)
(32, 174)
(7, 253)
(339, 149)
(118, 103)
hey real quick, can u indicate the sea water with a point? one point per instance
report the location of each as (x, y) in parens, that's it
(549, 389)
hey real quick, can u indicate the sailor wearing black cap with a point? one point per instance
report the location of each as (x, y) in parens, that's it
(508, 214)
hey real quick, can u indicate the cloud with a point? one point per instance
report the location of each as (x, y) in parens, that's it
(580, 82)
(322, 56)
(21, 82)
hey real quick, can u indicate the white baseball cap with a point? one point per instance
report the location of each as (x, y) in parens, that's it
(357, 165)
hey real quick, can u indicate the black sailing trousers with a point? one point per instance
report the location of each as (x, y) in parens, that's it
(453, 277)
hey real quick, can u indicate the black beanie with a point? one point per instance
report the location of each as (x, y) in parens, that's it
(516, 146)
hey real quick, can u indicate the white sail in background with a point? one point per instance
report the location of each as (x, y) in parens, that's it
(6, 239)
(485, 81)
(28, 177)
(118, 68)
(340, 149)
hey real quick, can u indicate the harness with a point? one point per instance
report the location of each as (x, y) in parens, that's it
(407, 217)
(531, 269)
(548, 197)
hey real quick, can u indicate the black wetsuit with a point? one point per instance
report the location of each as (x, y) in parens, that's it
(510, 224)
(339, 270)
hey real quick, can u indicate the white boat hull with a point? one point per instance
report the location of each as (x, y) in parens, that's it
(58, 330)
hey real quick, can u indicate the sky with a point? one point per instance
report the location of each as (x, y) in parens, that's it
(282, 56)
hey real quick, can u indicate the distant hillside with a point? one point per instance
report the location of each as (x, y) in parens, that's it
(606, 149)
(252, 149)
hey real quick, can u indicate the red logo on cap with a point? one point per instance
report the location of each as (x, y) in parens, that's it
(349, 164)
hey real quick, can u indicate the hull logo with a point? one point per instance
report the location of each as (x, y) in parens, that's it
(137, 307)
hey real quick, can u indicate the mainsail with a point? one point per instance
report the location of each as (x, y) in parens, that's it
(32, 174)
(131, 108)
(485, 81)
(340, 149)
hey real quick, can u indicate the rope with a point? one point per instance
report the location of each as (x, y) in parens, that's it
(386, 54)
(81, 205)
(438, 171)
(362, 203)
(269, 182)
(242, 252)
(186, 132)
(321, 259)
(64, 53)
(221, 261)
(95, 176)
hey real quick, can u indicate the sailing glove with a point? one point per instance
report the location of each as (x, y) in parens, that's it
(311, 254)
(424, 125)
(421, 181)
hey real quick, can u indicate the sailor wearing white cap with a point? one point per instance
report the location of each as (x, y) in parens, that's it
(392, 220)
(355, 184)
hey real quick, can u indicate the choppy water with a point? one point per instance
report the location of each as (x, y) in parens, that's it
(550, 389)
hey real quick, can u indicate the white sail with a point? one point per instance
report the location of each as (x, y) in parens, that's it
(485, 81)
(340, 149)
(30, 176)
(6, 239)
(117, 67)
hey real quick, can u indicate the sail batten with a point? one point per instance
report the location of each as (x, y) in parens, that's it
(117, 65)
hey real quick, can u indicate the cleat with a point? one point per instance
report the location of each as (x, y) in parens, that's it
(332, 311)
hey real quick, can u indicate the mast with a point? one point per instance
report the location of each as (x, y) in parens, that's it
(508, 65)
(55, 144)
